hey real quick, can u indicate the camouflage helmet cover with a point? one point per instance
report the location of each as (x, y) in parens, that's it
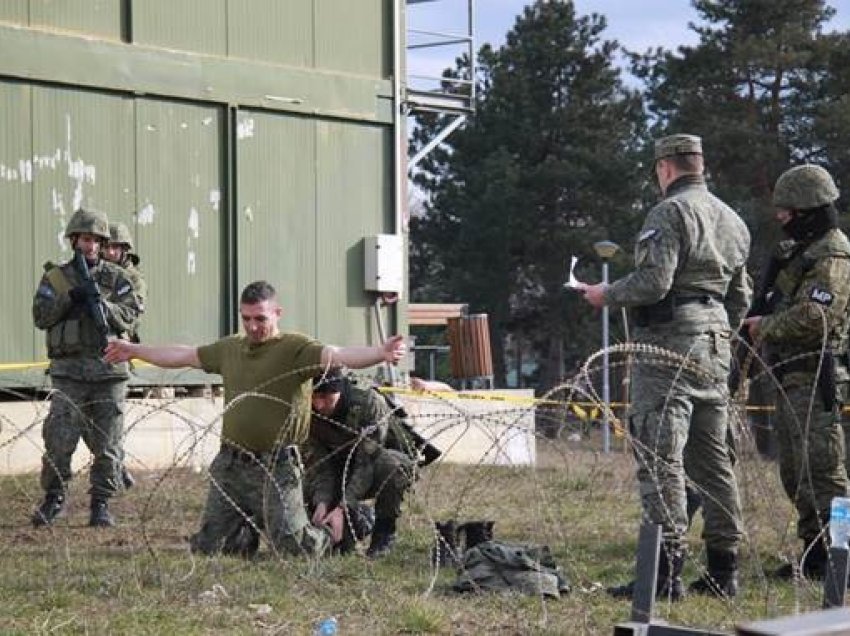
(88, 222)
(804, 188)
(119, 234)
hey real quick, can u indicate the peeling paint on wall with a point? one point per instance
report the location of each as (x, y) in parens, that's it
(194, 223)
(10, 174)
(25, 168)
(245, 128)
(57, 202)
(145, 215)
(78, 170)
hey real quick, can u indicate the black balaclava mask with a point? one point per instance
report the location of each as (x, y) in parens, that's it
(810, 225)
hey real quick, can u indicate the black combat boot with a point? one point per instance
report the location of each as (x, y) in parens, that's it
(475, 532)
(444, 551)
(100, 516)
(359, 523)
(668, 584)
(51, 508)
(721, 580)
(814, 562)
(383, 539)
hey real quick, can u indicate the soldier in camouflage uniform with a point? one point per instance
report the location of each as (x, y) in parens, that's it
(356, 452)
(810, 318)
(88, 397)
(267, 375)
(689, 285)
(119, 250)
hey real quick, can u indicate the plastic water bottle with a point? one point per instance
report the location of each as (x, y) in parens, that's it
(328, 627)
(839, 522)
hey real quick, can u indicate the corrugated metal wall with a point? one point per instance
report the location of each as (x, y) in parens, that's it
(266, 152)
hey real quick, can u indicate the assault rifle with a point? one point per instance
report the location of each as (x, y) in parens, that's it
(92, 303)
(407, 437)
(764, 303)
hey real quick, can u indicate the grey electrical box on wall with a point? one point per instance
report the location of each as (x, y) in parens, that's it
(384, 263)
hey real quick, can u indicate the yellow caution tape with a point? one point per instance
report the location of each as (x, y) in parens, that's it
(22, 366)
(577, 407)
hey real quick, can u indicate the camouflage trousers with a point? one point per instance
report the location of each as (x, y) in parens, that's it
(267, 492)
(384, 476)
(811, 454)
(679, 422)
(95, 412)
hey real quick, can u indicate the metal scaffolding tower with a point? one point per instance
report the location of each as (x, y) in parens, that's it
(454, 97)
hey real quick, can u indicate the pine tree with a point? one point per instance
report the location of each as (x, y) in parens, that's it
(547, 166)
(765, 89)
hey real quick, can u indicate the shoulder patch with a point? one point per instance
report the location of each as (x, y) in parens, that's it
(821, 296)
(647, 234)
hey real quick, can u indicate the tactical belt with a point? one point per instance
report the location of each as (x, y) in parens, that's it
(826, 380)
(289, 454)
(810, 364)
(801, 365)
(663, 311)
(705, 299)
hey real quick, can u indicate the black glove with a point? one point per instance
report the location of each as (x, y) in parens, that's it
(85, 293)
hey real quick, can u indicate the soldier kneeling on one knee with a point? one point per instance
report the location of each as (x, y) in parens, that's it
(360, 447)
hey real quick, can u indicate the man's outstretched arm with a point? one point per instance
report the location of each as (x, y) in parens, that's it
(391, 351)
(169, 356)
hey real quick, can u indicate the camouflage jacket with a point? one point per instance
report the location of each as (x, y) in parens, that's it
(131, 271)
(814, 300)
(498, 566)
(74, 345)
(352, 437)
(691, 245)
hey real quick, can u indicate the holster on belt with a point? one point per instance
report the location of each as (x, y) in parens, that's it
(662, 311)
(826, 381)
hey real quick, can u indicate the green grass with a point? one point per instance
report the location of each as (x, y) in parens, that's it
(139, 578)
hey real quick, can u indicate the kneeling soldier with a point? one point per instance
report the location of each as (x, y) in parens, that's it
(357, 450)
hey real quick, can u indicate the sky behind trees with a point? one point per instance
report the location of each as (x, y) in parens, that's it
(636, 24)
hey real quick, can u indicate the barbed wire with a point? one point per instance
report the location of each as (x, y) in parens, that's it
(453, 421)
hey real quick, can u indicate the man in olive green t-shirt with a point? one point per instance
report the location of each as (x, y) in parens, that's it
(267, 385)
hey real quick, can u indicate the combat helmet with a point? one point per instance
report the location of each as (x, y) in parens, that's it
(119, 234)
(88, 222)
(804, 188)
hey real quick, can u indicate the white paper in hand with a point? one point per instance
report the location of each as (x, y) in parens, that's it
(573, 282)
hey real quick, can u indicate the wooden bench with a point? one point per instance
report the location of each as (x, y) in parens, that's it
(434, 314)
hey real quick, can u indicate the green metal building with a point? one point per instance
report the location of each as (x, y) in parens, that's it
(238, 139)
